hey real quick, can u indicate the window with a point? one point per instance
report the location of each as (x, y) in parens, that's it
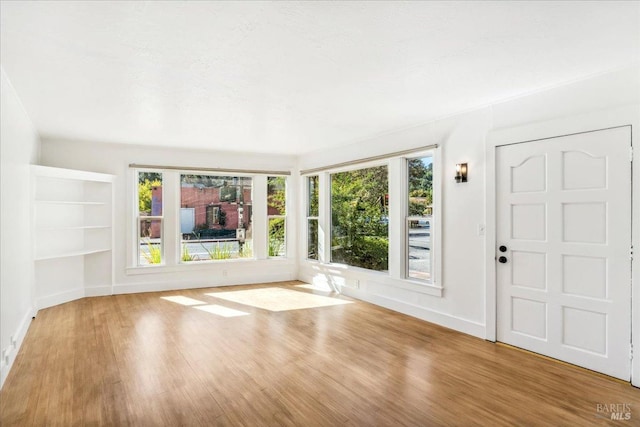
(312, 216)
(419, 219)
(374, 203)
(359, 218)
(215, 217)
(149, 219)
(276, 215)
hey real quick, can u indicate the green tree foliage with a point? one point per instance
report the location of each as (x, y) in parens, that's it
(358, 217)
(420, 186)
(149, 176)
(313, 183)
(145, 187)
(420, 176)
(312, 210)
(312, 239)
(276, 202)
(276, 194)
(276, 236)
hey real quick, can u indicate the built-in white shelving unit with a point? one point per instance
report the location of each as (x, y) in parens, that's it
(73, 234)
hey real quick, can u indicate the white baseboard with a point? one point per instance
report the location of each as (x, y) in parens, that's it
(443, 319)
(97, 291)
(60, 298)
(19, 338)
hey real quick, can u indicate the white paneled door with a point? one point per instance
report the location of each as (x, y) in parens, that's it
(563, 248)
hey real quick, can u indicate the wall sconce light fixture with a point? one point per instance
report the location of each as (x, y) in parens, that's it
(461, 172)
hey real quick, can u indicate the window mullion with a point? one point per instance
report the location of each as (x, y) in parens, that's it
(397, 210)
(171, 213)
(260, 222)
(324, 218)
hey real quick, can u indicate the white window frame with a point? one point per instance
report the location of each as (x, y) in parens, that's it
(307, 207)
(286, 210)
(433, 226)
(171, 236)
(140, 218)
(398, 212)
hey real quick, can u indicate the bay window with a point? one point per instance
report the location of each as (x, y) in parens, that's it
(383, 215)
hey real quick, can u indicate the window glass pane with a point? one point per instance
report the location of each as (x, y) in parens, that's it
(312, 183)
(420, 186)
(150, 230)
(215, 217)
(277, 237)
(276, 195)
(359, 219)
(150, 242)
(419, 231)
(419, 238)
(150, 193)
(312, 239)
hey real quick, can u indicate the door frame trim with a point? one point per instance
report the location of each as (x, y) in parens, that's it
(599, 120)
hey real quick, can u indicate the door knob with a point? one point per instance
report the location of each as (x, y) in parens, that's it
(502, 259)
(502, 248)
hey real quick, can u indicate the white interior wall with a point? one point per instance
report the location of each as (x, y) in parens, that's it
(19, 145)
(115, 159)
(601, 92)
(462, 139)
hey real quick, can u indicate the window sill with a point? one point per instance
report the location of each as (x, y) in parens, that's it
(376, 277)
(414, 286)
(200, 265)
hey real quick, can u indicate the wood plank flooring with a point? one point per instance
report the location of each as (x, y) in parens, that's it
(143, 360)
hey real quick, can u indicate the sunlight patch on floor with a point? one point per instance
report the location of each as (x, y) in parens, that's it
(183, 300)
(221, 311)
(278, 299)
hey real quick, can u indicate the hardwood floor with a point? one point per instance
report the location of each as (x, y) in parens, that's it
(145, 360)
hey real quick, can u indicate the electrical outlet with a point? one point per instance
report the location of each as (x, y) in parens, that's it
(14, 342)
(224, 273)
(356, 284)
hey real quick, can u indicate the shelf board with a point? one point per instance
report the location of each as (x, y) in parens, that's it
(72, 227)
(71, 254)
(68, 202)
(59, 173)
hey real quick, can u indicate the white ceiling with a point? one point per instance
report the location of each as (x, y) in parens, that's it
(293, 77)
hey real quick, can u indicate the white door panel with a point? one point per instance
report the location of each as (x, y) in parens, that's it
(564, 216)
